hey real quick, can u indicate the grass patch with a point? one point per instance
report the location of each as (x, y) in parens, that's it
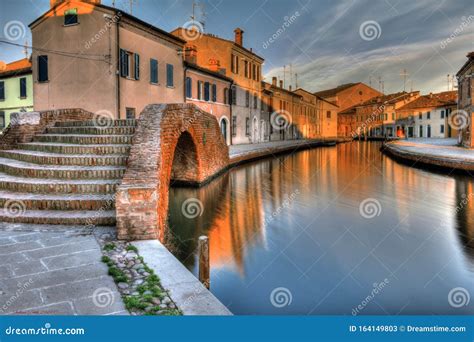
(117, 274)
(109, 247)
(132, 248)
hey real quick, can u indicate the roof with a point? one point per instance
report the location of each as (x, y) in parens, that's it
(334, 91)
(350, 110)
(276, 88)
(433, 100)
(470, 60)
(386, 99)
(123, 14)
(16, 68)
(207, 71)
(225, 40)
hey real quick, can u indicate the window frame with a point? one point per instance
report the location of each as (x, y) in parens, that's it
(75, 15)
(43, 61)
(2, 91)
(23, 87)
(170, 75)
(154, 71)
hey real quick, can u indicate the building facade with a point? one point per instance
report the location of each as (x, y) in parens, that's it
(91, 56)
(465, 110)
(235, 61)
(427, 116)
(16, 89)
(209, 90)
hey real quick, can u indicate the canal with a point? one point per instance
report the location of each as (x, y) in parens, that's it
(342, 230)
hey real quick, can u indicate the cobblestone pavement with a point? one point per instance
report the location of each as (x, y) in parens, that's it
(54, 270)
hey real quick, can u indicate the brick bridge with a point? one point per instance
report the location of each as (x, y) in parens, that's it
(70, 167)
(172, 144)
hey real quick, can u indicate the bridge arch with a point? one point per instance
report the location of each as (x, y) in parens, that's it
(174, 143)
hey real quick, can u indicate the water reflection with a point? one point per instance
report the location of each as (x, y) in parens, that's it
(294, 222)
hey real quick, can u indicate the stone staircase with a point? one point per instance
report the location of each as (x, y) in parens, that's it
(67, 175)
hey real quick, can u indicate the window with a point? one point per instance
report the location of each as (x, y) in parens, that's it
(428, 115)
(226, 95)
(206, 91)
(393, 116)
(442, 115)
(2, 118)
(258, 73)
(42, 68)
(255, 101)
(254, 72)
(130, 112)
(169, 75)
(154, 71)
(328, 114)
(23, 87)
(200, 90)
(234, 95)
(137, 66)
(234, 126)
(441, 129)
(246, 69)
(247, 98)
(2, 91)
(124, 63)
(234, 64)
(420, 115)
(247, 126)
(70, 17)
(189, 87)
(214, 93)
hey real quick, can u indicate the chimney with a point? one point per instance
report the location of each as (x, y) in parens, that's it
(274, 81)
(290, 88)
(281, 83)
(214, 64)
(53, 3)
(239, 36)
(431, 95)
(190, 54)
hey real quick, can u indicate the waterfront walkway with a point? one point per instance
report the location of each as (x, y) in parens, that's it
(430, 151)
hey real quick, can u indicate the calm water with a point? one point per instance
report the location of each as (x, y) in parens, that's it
(294, 223)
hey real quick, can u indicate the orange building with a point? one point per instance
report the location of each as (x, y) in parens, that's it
(235, 61)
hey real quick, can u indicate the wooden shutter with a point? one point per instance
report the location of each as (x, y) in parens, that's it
(214, 93)
(137, 66)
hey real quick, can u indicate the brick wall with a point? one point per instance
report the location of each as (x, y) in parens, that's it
(24, 126)
(175, 142)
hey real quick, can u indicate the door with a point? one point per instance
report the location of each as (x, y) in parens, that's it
(410, 132)
(255, 130)
(421, 132)
(224, 129)
(428, 132)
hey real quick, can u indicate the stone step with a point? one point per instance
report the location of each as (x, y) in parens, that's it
(83, 139)
(26, 201)
(57, 186)
(25, 169)
(76, 149)
(92, 130)
(45, 158)
(91, 123)
(58, 217)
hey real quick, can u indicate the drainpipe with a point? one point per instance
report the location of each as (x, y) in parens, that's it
(230, 110)
(118, 63)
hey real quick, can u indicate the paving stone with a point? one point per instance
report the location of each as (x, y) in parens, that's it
(27, 268)
(12, 258)
(13, 301)
(18, 247)
(78, 289)
(73, 260)
(5, 272)
(79, 246)
(104, 303)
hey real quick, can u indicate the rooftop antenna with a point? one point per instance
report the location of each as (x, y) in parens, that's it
(404, 74)
(25, 49)
(199, 6)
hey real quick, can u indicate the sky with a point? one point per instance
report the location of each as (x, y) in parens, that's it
(325, 42)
